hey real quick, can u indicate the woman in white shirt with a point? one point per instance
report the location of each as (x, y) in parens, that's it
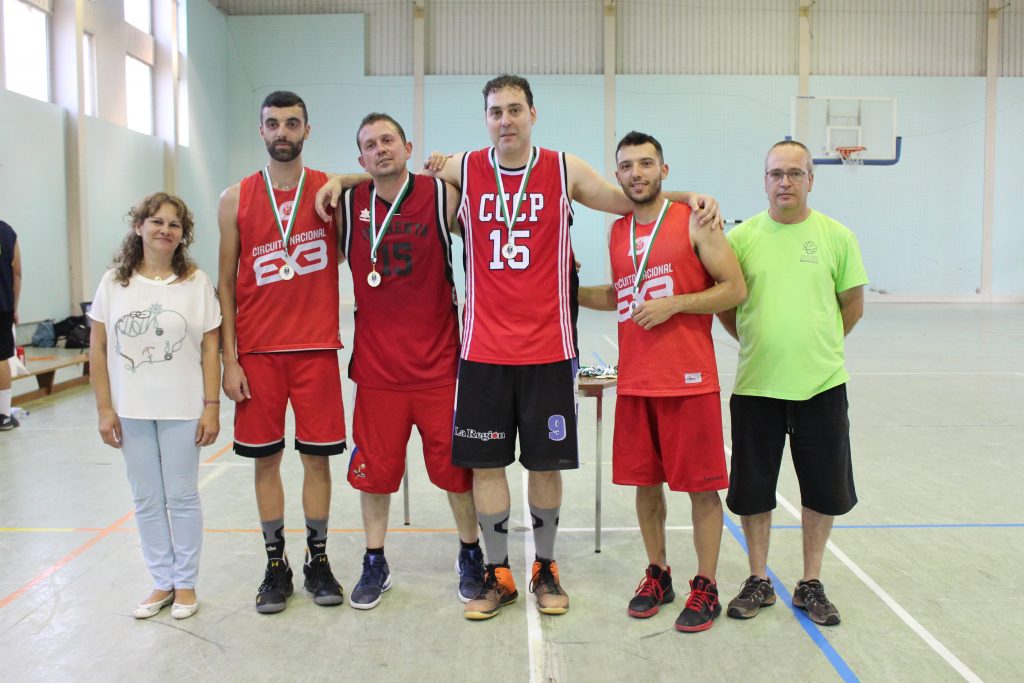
(156, 374)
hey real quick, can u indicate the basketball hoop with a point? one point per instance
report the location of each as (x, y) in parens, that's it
(850, 156)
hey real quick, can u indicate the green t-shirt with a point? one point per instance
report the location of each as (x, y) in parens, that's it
(790, 327)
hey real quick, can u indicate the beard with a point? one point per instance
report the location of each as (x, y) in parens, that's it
(285, 154)
(650, 193)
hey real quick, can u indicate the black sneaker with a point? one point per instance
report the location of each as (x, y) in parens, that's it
(702, 607)
(755, 593)
(470, 566)
(376, 579)
(276, 588)
(320, 581)
(810, 596)
(8, 422)
(654, 590)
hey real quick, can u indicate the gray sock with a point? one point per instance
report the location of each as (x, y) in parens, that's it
(545, 526)
(316, 536)
(494, 529)
(273, 538)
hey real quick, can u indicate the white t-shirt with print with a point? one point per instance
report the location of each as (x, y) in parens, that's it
(154, 332)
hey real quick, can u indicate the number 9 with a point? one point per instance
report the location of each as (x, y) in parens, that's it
(556, 428)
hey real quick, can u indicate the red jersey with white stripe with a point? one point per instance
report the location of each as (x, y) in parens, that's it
(520, 310)
(275, 314)
(407, 328)
(677, 357)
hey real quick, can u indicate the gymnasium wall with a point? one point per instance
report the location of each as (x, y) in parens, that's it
(202, 171)
(1008, 240)
(919, 222)
(32, 200)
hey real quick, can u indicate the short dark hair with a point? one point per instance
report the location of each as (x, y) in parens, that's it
(283, 98)
(635, 139)
(374, 117)
(794, 143)
(508, 81)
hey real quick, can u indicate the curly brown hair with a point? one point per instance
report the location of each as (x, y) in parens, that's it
(130, 255)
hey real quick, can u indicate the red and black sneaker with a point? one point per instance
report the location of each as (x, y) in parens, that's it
(654, 590)
(702, 607)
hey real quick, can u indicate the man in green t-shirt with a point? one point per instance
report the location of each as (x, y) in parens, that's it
(805, 283)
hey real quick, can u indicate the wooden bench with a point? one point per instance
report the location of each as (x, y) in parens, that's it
(43, 364)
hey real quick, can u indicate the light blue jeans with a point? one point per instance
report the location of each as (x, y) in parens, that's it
(162, 460)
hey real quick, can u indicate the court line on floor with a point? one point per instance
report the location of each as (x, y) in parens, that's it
(77, 552)
(815, 634)
(964, 525)
(534, 633)
(897, 609)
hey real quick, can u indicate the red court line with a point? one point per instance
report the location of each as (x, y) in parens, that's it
(222, 451)
(59, 564)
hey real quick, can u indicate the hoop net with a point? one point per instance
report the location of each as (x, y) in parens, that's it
(850, 156)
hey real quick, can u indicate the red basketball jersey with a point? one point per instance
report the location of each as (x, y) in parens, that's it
(677, 357)
(407, 328)
(275, 314)
(520, 310)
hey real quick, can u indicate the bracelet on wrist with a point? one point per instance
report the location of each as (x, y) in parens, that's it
(211, 403)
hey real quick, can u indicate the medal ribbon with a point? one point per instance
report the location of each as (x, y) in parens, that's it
(376, 237)
(639, 269)
(285, 235)
(510, 222)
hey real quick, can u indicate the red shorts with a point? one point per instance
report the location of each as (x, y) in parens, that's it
(669, 439)
(381, 427)
(311, 381)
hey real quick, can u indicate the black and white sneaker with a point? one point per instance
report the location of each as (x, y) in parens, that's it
(320, 581)
(470, 566)
(276, 588)
(375, 579)
(8, 422)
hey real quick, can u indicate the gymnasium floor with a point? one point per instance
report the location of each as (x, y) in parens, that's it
(922, 569)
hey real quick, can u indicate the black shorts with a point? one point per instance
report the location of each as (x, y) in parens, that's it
(6, 334)
(819, 440)
(493, 402)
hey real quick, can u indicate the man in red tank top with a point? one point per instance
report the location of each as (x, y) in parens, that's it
(670, 274)
(278, 290)
(395, 235)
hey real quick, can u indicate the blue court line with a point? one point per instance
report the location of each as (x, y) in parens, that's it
(600, 361)
(995, 525)
(833, 657)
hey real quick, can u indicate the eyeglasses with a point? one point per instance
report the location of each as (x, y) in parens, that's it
(795, 175)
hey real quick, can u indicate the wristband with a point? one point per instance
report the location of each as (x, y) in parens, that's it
(211, 403)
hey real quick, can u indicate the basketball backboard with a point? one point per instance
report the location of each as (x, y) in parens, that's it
(827, 123)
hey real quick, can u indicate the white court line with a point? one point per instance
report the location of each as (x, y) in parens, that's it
(609, 340)
(903, 614)
(590, 530)
(987, 373)
(220, 468)
(534, 634)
